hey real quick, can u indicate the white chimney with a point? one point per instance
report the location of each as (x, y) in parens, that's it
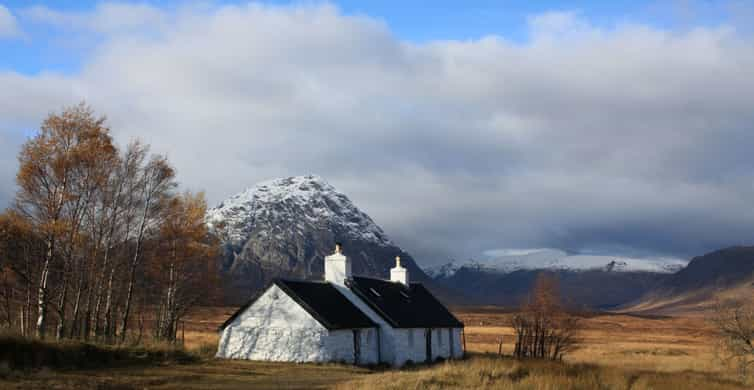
(337, 267)
(398, 273)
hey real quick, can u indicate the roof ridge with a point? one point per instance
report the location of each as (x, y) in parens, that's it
(384, 280)
(301, 281)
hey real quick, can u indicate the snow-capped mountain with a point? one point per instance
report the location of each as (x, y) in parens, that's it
(285, 227)
(555, 259)
(295, 204)
(597, 281)
(442, 271)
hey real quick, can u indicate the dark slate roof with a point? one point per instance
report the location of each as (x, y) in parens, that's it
(411, 306)
(320, 299)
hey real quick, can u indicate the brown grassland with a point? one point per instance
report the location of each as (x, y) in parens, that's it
(618, 351)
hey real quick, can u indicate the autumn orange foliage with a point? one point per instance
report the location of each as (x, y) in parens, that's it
(97, 237)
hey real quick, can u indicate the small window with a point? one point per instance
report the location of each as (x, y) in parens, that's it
(411, 338)
(374, 292)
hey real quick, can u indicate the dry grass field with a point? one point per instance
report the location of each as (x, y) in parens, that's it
(665, 344)
(208, 374)
(618, 351)
(487, 372)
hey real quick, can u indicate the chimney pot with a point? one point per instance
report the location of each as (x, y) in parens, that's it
(337, 267)
(398, 273)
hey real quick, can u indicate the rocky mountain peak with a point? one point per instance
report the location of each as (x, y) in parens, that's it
(293, 203)
(285, 227)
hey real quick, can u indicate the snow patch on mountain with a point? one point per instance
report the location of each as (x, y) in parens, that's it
(442, 271)
(292, 202)
(512, 260)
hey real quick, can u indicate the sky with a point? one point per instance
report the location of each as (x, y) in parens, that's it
(462, 128)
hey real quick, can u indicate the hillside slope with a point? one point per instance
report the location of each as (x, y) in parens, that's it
(720, 275)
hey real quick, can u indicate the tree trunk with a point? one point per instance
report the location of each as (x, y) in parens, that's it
(132, 273)
(60, 331)
(127, 306)
(108, 321)
(99, 282)
(103, 289)
(42, 291)
(6, 307)
(87, 320)
(26, 312)
(76, 308)
(170, 306)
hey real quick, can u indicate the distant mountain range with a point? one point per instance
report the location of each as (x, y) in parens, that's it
(660, 286)
(557, 260)
(594, 281)
(285, 227)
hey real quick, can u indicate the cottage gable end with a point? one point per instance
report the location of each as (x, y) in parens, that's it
(275, 309)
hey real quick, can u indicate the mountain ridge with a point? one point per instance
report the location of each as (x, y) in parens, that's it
(558, 260)
(717, 276)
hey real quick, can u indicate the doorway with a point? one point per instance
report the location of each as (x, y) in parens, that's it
(356, 346)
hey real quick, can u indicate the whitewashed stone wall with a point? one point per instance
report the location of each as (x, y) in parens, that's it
(369, 346)
(457, 343)
(338, 346)
(396, 348)
(441, 343)
(276, 328)
(273, 344)
(387, 342)
(411, 345)
(417, 351)
(275, 309)
(340, 343)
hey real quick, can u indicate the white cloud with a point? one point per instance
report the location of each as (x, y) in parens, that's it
(107, 17)
(583, 137)
(8, 25)
(557, 23)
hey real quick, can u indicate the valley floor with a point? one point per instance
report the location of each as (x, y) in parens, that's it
(619, 352)
(210, 374)
(478, 371)
(656, 343)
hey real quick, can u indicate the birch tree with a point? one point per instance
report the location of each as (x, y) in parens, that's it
(20, 252)
(185, 253)
(52, 168)
(89, 229)
(154, 185)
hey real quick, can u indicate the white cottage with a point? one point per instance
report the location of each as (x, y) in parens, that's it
(343, 319)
